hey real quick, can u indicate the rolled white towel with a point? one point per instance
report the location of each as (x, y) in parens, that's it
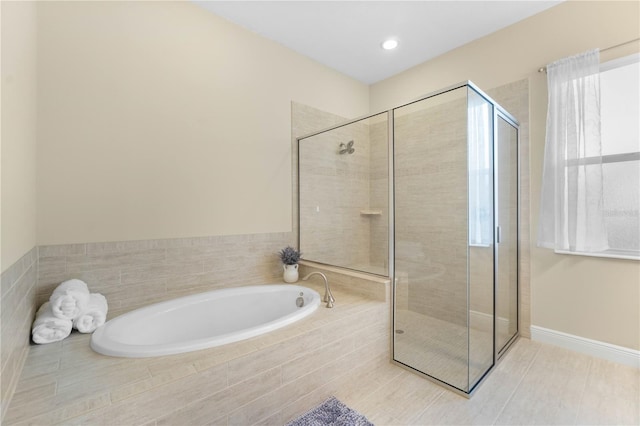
(47, 328)
(93, 315)
(69, 299)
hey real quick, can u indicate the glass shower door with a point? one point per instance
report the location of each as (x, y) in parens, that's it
(481, 236)
(507, 232)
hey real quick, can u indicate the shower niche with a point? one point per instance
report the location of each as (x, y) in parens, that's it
(426, 194)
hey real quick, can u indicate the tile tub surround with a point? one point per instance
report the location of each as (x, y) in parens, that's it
(17, 310)
(136, 273)
(266, 379)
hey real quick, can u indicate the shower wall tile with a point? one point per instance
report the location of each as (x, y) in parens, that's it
(481, 265)
(135, 273)
(335, 189)
(18, 307)
(432, 275)
(305, 120)
(431, 207)
(369, 286)
(379, 194)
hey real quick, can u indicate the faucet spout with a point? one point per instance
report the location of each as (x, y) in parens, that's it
(328, 297)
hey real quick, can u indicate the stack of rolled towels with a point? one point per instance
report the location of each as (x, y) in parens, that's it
(71, 305)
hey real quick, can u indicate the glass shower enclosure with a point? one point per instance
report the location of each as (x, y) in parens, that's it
(456, 206)
(432, 202)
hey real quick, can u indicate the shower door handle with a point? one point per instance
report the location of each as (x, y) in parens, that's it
(498, 234)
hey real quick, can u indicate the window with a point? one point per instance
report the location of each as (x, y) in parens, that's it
(620, 128)
(620, 132)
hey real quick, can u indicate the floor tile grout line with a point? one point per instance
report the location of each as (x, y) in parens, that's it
(436, 399)
(381, 386)
(584, 390)
(336, 379)
(112, 389)
(515, 389)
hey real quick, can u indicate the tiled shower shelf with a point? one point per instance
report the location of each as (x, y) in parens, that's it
(371, 212)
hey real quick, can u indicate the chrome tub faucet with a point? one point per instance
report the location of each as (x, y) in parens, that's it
(328, 297)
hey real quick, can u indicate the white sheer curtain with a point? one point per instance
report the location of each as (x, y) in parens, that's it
(571, 205)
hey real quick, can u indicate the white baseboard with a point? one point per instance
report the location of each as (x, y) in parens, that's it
(583, 345)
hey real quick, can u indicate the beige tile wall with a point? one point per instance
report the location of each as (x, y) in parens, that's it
(18, 284)
(379, 192)
(431, 205)
(335, 188)
(366, 285)
(135, 273)
(305, 120)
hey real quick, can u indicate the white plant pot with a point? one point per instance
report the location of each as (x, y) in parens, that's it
(290, 273)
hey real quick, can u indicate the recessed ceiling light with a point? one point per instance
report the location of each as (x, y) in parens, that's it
(390, 44)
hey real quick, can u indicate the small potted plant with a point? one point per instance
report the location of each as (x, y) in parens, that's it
(290, 257)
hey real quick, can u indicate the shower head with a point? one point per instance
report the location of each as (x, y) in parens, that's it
(346, 149)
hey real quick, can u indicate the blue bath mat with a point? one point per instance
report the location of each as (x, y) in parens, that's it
(331, 412)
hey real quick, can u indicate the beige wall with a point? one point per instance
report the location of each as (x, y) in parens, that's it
(18, 228)
(18, 188)
(593, 298)
(161, 120)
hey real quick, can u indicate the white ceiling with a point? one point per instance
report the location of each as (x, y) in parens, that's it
(346, 35)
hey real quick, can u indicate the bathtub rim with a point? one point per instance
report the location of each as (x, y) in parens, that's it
(104, 345)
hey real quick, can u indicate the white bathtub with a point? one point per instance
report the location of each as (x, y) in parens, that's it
(203, 320)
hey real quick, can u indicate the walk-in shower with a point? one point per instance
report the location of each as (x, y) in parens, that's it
(343, 195)
(430, 199)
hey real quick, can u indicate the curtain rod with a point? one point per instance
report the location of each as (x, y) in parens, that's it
(544, 69)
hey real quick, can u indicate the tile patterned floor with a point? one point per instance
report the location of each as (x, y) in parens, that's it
(442, 349)
(535, 384)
